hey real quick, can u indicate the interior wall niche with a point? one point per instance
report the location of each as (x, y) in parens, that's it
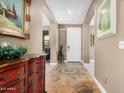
(45, 39)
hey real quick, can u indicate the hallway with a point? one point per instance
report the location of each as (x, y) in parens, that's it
(69, 77)
(89, 34)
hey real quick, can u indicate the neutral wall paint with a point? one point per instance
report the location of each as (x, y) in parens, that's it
(53, 42)
(109, 58)
(85, 43)
(87, 51)
(91, 48)
(63, 40)
(35, 42)
(53, 32)
(38, 8)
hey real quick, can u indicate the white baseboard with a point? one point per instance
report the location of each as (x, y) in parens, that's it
(73, 60)
(90, 67)
(99, 85)
(53, 64)
(82, 61)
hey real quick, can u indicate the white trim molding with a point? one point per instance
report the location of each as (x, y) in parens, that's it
(74, 61)
(90, 67)
(53, 63)
(99, 85)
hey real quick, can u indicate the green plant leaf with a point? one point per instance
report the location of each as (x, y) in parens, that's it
(10, 52)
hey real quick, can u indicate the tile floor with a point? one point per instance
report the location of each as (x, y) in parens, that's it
(69, 78)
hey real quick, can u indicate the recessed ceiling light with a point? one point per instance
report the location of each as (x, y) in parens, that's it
(69, 12)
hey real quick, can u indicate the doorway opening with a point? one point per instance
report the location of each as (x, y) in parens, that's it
(70, 39)
(45, 37)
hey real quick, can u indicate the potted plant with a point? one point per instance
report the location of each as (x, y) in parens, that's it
(60, 54)
(8, 51)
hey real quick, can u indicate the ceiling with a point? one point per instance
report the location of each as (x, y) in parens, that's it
(69, 11)
(45, 21)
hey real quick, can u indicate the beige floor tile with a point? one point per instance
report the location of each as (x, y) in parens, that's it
(70, 78)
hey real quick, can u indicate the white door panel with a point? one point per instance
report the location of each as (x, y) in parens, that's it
(74, 44)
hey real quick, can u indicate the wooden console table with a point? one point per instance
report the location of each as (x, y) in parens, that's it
(26, 75)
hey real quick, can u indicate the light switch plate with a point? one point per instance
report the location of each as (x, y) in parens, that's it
(121, 44)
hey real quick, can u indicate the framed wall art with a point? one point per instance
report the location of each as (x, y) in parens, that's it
(92, 40)
(106, 18)
(12, 18)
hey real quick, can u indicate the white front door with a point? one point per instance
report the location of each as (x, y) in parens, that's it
(74, 44)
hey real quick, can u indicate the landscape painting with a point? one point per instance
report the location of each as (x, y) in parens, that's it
(106, 18)
(12, 15)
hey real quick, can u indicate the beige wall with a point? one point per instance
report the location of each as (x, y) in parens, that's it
(91, 48)
(38, 7)
(54, 42)
(85, 43)
(87, 49)
(63, 39)
(53, 32)
(35, 41)
(109, 59)
(87, 29)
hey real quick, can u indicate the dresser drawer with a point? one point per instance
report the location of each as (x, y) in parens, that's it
(31, 86)
(24, 75)
(18, 87)
(32, 89)
(12, 75)
(32, 68)
(39, 84)
(40, 66)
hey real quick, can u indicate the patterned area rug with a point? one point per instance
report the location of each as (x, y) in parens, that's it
(69, 70)
(70, 77)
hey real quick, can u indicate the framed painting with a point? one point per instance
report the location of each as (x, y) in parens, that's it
(92, 40)
(106, 19)
(12, 18)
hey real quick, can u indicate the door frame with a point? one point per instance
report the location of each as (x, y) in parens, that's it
(67, 45)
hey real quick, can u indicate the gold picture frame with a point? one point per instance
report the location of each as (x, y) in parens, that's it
(28, 2)
(13, 18)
